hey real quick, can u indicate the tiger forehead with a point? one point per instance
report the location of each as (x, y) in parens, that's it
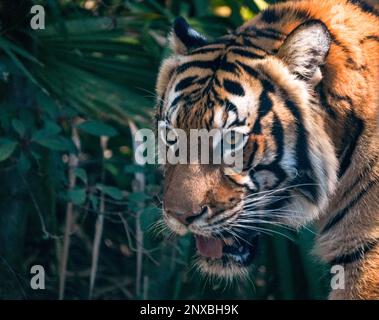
(223, 103)
(212, 91)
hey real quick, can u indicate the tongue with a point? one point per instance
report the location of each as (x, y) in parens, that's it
(209, 247)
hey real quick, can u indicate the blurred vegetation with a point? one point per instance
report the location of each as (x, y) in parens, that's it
(72, 200)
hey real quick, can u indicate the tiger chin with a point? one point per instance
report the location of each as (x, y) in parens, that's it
(299, 82)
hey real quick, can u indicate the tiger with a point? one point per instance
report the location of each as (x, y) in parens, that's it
(301, 82)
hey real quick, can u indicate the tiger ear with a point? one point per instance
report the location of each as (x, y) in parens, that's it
(184, 38)
(305, 50)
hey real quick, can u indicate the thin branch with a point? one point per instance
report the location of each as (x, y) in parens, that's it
(145, 287)
(73, 164)
(99, 225)
(117, 285)
(130, 242)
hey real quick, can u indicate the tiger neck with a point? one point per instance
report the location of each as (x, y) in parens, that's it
(349, 228)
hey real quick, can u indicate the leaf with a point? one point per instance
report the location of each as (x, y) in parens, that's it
(57, 143)
(4, 43)
(24, 163)
(81, 174)
(97, 128)
(113, 169)
(36, 155)
(47, 104)
(149, 215)
(6, 148)
(77, 196)
(133, 168)
(50, 129)
(19, 127)
(19, 64)
(94, 201)
(113, 192)
(137, 197)
(4, 118)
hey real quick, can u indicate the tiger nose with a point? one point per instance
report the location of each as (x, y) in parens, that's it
(188, 217)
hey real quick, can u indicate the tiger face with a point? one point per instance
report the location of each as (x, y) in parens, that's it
(289, 165)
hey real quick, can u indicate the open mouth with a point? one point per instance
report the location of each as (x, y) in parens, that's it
(228, 251)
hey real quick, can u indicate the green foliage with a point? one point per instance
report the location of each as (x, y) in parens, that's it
(6, 148)
(67, 96)
(97, 128)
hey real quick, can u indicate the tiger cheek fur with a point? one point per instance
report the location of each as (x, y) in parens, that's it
(301, 82)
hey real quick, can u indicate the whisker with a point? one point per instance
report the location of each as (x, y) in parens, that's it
(264, 230)
(275, 191)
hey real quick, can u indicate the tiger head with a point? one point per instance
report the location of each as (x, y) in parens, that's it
(289, 165)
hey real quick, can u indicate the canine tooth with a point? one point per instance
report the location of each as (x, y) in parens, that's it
(229, 241)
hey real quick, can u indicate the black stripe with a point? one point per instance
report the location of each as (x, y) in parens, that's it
(228, 67)
(237, 123)
(206, 64)
(278, 134)
(338, 97)
(371, 37)
(274, 15)
(350, 63)
(229, 106)
(185, 83)
(234, 87)
(246, 54)
(302, 15)
(176, 100)
(248, 163)
(304, 166)
(268, 86)
(342, 213)
(202, 81)
(338, 43)
(265, 106)
(354, 128)
(278, 32)
(324, 101)
(224, 40)
(205, 50)
(306, 175)
(364, 6)
(160, 106)
(270, 33)
(248, 43)
(301, 144)
(358, 254)
(271, 15)
(216, 97)
(305, 184)
(216, 81)
(249, 70)
(367, 168)
(266, 33)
